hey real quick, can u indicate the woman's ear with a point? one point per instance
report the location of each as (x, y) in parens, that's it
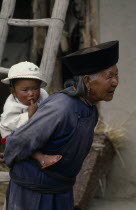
(12, 91)
(86, 80)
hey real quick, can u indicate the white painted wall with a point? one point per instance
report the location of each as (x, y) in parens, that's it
(118, 22)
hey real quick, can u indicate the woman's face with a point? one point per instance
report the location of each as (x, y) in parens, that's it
(103, 87)
(26, 90)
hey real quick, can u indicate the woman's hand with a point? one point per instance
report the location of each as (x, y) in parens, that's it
(2, 160)
(32, 108)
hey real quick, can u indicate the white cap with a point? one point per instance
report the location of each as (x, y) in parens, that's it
(26, 70)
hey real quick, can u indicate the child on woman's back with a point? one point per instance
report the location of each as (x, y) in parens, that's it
(25, 83)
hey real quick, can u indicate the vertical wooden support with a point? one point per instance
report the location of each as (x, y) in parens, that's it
(53, 39)
(87, 33)
(91, 34)
(95, 23)
(7, 10)
(39, 33)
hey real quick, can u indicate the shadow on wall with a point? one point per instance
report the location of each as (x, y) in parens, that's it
(4, 92)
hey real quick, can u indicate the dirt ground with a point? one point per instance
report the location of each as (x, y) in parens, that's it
(115, 204)
(96, 204)
(3, 187)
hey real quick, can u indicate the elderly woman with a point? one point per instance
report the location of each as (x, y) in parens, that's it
(63, 124)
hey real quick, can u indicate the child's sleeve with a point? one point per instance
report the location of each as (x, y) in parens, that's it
(11, 119)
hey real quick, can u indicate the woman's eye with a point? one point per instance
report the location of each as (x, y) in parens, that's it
(109, 76)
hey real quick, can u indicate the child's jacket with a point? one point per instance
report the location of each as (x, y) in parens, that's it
(15, 114)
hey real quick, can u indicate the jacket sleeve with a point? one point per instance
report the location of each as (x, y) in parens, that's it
(48, 120)
(12, 118)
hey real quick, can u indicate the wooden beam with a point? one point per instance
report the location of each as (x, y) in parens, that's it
(53, 39)
(4, 176)
(4, 70)
(29, 23)
(7, 10)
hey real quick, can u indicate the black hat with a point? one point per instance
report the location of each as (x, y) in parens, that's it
(91, 60)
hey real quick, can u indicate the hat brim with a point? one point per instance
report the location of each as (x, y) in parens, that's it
(7, 80)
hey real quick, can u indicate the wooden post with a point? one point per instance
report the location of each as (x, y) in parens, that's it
(6, 12)
(53, 39)
(91, 28)
(39, 33)
(94, 24)
(57, 79)
(87, 34)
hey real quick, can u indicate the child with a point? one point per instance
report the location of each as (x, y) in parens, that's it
(25, 83)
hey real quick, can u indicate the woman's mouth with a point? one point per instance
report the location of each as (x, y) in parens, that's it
(111, 91)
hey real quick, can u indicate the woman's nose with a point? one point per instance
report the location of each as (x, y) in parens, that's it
(115, 81)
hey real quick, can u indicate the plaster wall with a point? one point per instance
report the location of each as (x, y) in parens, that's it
(118, 22)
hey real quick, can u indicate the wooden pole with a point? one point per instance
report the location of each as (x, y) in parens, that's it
(53, 40)
(7, 10)
(95, 22)
(87, 34)
(39, 33)
(57, 81)
(91, 27)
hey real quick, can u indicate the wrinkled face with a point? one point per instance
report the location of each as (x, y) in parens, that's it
(26, 90)
(103, 87)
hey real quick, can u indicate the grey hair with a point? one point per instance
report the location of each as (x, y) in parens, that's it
(77, 82)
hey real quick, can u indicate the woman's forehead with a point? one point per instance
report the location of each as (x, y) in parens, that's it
(112, 69)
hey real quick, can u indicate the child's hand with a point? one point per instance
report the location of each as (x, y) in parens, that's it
(2, 160)
(46, 160)
(32, 108)
(49, 160)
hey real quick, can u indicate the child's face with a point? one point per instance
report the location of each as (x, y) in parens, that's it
(26, 90)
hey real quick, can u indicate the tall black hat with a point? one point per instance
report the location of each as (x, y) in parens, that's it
(91, 60)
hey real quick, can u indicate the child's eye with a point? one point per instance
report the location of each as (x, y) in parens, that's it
(24, 90)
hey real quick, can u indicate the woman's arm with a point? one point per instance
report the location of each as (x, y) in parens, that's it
(50, 118)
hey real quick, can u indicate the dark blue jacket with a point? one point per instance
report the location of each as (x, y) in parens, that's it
(62, 125)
